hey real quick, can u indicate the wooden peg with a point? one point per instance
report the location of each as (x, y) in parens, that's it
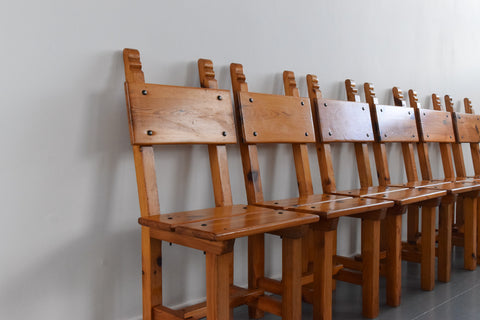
(370, 96)
(133, 66)
(290, 84)
(468, 106)
(352, 91)
(207, 74)
(449, 104)
(437, 102)
(398, 97)
(413, 98)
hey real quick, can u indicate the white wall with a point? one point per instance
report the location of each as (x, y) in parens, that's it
(69, 240)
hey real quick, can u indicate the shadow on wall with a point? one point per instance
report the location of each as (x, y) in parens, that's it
(88, 276)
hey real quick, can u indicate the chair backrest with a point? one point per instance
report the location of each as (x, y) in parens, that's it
(160, 114)
(340, 122)
(433, 126)
(268, 118)
(466, 125)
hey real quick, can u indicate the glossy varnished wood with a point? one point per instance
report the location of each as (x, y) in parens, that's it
(270, 118)
(242, 225)
(467, 127)
(161, 114)
(401, 196)
(343, 121)
(435, 126)
(395, 124)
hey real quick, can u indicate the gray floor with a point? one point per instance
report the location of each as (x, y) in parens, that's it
(459, 299)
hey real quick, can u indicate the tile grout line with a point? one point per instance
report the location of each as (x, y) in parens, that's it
(445, 302)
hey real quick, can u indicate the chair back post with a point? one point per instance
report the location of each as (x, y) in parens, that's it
(379, 149)
(217, 153)
(456, 146)
(249, 152)
(474, 147)
(407, 148)
(143, 155)
(422, 147)
(361, 149)
(445, 148)
(300, 150)
(324, 152)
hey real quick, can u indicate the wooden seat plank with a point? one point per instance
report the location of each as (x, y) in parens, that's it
(262, 221)
(401, 196)
(172, 220)
(454, 187)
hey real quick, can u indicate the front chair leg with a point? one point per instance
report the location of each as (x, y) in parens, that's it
(218, 286)
(292, 278)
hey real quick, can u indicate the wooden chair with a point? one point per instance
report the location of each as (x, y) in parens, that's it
(466, 131)
(267, 119)
(160, 114)
(398, 124)
(436, 126)
(350, 122)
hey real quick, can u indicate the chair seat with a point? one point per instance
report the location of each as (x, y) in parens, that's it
(400, 195)
(226, 223)
(329, 206)
(455, 186)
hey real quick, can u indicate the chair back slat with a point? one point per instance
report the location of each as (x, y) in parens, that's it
(162, 114)
(395, 124)
(267, 118)
(467, 127)
(344, 121)
(435, 126)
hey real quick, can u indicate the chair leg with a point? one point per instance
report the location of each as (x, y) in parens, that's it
(478, 232)
(412, 224)
(470, 233)
(445, 240)
(218, 286)
(393, 226)
(371, 267)
(256, 268)
(151, 273)
(322, 273)
(292, 278)
(428, 248)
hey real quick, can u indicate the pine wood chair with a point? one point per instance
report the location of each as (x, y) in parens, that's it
(436, 126)
(160, 114)
(350, 122)
(267, 119)
(466, 131)
(393, 124)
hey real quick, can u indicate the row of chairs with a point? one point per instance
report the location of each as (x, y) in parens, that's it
(160, 114)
